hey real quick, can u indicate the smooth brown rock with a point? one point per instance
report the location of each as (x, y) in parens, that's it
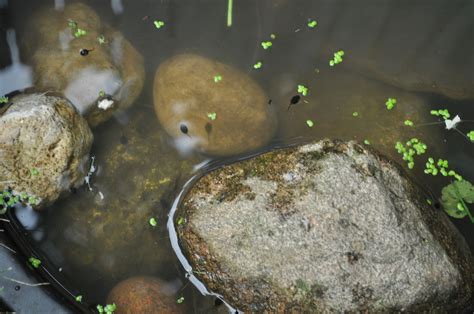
(44, 145)
(142, 295)
(185, 93)
(114, 67)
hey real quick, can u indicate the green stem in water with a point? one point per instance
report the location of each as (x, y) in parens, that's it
(229, 13)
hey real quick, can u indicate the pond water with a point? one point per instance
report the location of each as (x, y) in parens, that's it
(101, 235)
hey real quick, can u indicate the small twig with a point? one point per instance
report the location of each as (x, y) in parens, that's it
(26, 283)
(7, 247)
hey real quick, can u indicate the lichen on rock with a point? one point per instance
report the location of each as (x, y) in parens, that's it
(331, 227)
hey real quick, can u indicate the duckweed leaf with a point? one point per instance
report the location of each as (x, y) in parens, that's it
(310, 123)
(3, 100)
(152, 222)
(34, 262)
(390, 103)
(266, 44)
(408, 123)
(159, 24)
(355, 114)
(212, 116)
(303, 90)
(101, 40)
(312, 23)
(180, 300)
(470, 135)
(217, 78)
(78, 298)
(257, 65)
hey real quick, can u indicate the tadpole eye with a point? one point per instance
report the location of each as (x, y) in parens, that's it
(183, 128)
(208, 128)
(295, 99)
(84, 52)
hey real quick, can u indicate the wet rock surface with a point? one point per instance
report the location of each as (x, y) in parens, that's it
(83, 66)
(44, 146)
(325, 227)
(189, 87)
(142, 295)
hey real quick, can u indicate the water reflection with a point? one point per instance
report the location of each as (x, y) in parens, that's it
(17, 75)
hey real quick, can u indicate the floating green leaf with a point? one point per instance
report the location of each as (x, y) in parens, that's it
(257, 65)
(337, 58)
(3, 100)
(34, 262)
(180, 221)
(212, 116)
(303, 90)
(266, 44)
(471, 135)
(355, 114)
(78, 298)
(312, 23)
(455, 197)
(408, 123)
(180, 300)
(79, 33)
(159, 24)
(366, 142)
(152, 222)
(444, 113)
(34, 171)
(310, 123)
(390, 103)
(217, 78)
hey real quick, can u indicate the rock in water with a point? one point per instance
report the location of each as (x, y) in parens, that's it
(211, 107)
(142, 295)
(325, 227)
(44, 145)
(111, 65)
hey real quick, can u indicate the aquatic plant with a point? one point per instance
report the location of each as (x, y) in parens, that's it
(366, 142)
(312, 23)
(159, 24)
(266, 44)
(442, 166)
(3, 100)
(212, 116)
(408, 122)
(181, 221)
(217, 78)
(413, 147)
(390, 103)
(107, 309)
(8, 200)
(303, 90)
(355, 114)
(257, 65)
(77, 32)
(152, 222)
(470, 135)
(455, 197)
(444, 113)
(34, 262)
(78, 298)
(310, 123)
(337, 58)
(180, 300)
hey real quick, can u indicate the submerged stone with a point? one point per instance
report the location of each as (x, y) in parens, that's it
(44, 146)
(105, 231)
(142, 295)
(111, 64)
(325, 227)
(211, 107)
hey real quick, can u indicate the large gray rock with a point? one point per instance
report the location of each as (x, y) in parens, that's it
(44, 144)
(112, 66)
(324, 227)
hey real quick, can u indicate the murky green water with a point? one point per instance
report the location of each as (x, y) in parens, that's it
(100, 236)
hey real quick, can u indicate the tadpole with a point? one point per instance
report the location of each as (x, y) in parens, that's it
(294, 100)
